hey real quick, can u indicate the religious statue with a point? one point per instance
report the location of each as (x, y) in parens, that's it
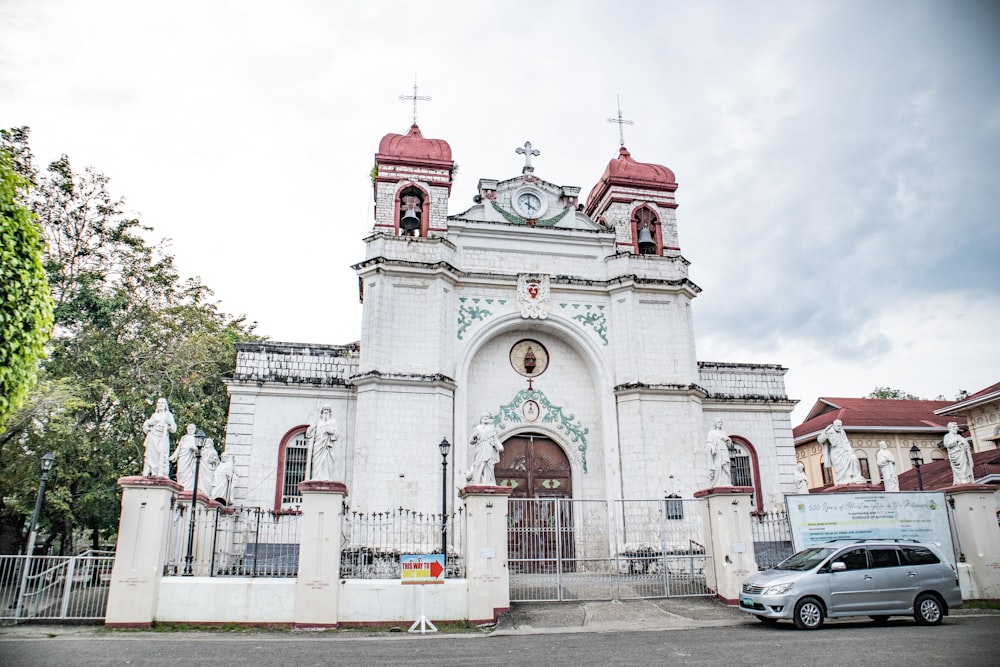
(184, 455)
(839, 455)
(209, 462)
(717, 446)
(321, 436)
(959, 454)
(158, 428)
(801, 479)
(886, 463)
(222, 480)
(486, 449)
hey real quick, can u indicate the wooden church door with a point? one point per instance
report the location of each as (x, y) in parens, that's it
(540, 535)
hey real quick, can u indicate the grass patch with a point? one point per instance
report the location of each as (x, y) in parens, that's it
(981, 604)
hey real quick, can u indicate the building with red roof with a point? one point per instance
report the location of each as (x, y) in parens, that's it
(903, 424)
(981, 411)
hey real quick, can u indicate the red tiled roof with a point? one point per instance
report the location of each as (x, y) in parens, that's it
(874, 414)
(972, 400)
(937, 474)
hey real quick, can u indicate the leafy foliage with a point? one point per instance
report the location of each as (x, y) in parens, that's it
(896, 394)
(127, 330)
(25, 302)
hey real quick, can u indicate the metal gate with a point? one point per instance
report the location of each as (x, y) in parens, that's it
(772, 538)
(564, 549)
(55, 587)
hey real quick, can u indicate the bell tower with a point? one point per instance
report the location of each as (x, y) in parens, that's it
(412, 182)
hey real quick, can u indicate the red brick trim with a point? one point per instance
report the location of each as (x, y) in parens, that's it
(141, 481)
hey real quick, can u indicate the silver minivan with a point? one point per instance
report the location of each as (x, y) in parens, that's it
(875, 578)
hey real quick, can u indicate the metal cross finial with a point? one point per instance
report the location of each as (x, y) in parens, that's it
(621, 122)
(415, 97)
(527, 152)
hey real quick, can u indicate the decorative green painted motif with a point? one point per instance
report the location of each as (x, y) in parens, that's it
(592, 318)
(467, 314)
(551, 414)
(518, 220)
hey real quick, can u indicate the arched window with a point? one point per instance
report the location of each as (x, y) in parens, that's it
(411, 220)
(866, 471)
(745, 469)
(293, 457)
(645, 231)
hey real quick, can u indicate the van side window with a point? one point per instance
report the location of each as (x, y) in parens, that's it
(884, 557)
(855, 559)
(919, 556)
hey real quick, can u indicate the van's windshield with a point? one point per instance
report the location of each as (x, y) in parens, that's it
(806, 559)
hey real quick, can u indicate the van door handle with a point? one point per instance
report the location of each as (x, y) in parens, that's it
(911, 574)
(867, 577)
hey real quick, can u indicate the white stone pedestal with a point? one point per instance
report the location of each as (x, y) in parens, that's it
(726, 513)
(486, 569)
(142, 538)
(978, 536)
(317, 587)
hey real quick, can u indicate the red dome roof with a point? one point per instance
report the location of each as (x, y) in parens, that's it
(627, 169)
(413, 146)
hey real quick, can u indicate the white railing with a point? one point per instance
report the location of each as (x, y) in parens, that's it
(55, 587)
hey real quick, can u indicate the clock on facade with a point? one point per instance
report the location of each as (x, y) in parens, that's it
(529, 358)
(530, 203)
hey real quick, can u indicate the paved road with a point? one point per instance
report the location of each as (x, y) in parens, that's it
(968, 641)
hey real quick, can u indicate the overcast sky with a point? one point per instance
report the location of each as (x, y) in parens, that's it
(838, 162)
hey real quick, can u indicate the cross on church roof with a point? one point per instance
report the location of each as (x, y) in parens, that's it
(527, 152)
(621, 121)
(415, 97)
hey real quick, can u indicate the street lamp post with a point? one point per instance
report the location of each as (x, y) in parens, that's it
(444, 446)
(47, 462)
(917, 459)
(199, 442)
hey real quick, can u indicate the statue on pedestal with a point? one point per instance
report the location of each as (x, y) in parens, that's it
(801, 480)
(717, 446)
(222, 480)
(184, 457)
(959, 454)
(322, 436)
(486, 449)
(158, 428)
(839, 455)
(886, 463)
(209, 462)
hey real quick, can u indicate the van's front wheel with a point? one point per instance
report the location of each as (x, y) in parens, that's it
(808, 614)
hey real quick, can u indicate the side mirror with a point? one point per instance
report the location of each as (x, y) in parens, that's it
(839, 566)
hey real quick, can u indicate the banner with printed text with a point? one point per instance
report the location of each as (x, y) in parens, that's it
(818, 518)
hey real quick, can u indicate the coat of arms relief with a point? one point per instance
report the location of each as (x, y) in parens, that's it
(533, 295)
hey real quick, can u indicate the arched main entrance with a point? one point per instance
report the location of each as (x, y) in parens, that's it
(540, 534)
(535, 466)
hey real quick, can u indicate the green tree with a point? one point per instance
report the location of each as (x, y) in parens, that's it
(127, 330)
(896, 394)
(25, 301)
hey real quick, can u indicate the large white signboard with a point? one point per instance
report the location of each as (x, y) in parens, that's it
(818, 518)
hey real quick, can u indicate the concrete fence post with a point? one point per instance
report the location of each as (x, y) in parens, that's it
(142, 542)
(726, 513)
(486, 569)
(317, 588)
(975, 512)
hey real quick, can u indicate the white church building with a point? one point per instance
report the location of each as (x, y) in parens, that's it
(569, 323)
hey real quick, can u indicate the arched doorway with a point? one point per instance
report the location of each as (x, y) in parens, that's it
(535, 466)
(540, 532)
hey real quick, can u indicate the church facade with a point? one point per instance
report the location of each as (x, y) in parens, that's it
(566, 323)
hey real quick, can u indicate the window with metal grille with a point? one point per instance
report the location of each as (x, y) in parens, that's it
(741, 471)
(675, 507)
(296, 456)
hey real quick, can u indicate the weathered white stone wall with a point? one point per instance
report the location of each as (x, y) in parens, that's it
(260, 416)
